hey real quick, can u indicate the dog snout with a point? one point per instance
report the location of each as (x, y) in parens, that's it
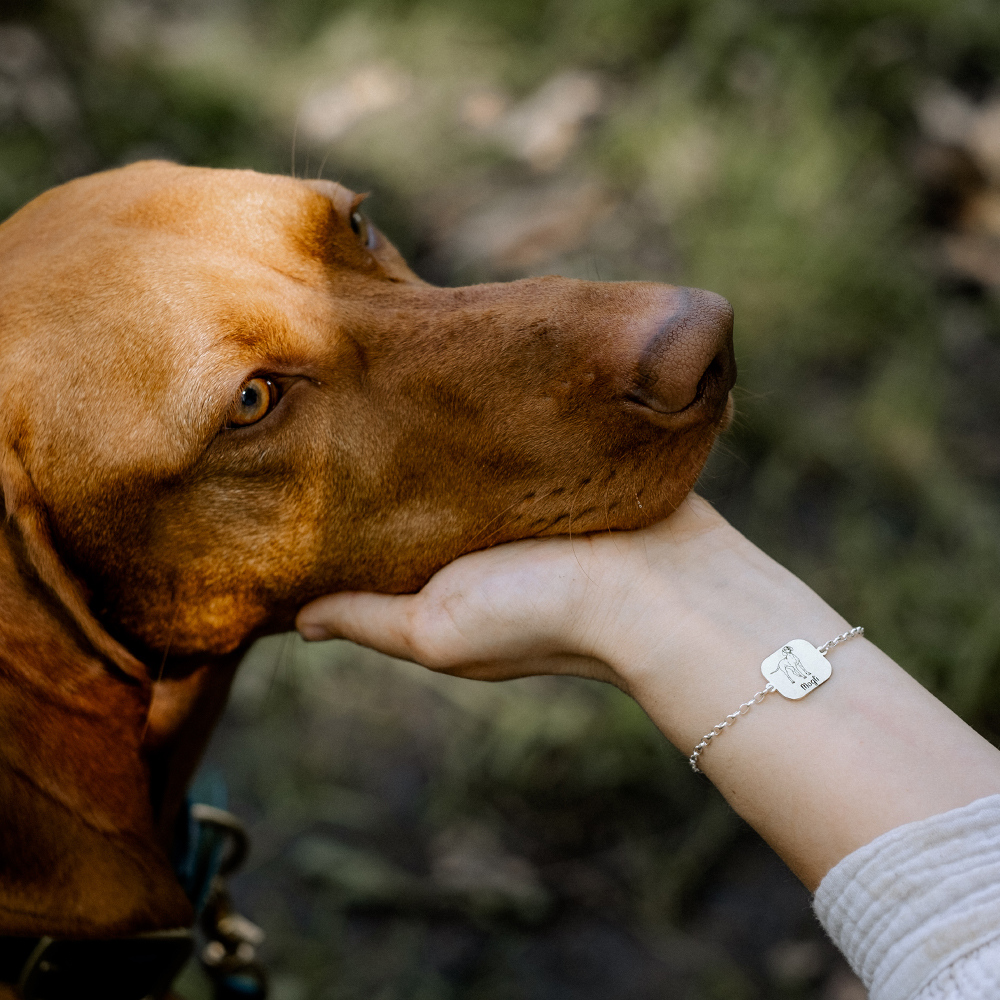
(684, 353)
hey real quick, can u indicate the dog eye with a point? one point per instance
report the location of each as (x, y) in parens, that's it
(255, 401)
(364, 231)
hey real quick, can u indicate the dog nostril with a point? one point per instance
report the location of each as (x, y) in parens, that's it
(687, 356)
(669, 403)
(715, 372)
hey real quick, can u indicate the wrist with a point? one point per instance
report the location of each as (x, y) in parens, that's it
(689, 635)
(695, 609)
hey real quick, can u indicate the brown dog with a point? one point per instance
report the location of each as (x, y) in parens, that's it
(225, 394)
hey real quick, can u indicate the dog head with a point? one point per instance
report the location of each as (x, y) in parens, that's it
(225, 394)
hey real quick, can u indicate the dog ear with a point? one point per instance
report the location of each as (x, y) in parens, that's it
(25, 509)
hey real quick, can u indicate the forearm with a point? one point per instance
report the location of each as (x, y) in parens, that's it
(681, 615)
(867, 751)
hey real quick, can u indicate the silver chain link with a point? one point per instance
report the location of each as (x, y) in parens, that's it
(759, 697)
(843, 637)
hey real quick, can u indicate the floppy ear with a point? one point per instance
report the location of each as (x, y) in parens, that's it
(25, 509)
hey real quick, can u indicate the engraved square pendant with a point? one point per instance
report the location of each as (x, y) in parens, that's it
(796, 669)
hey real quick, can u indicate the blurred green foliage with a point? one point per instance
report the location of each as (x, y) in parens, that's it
(763, 143)
(760, 148)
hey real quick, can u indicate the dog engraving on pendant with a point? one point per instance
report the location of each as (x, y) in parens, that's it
(796, 669)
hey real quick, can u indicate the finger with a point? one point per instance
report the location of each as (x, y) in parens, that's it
(380, 621)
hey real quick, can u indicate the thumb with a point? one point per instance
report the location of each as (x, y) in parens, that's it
(380, 621)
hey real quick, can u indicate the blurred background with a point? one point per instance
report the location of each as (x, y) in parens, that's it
(833, 168)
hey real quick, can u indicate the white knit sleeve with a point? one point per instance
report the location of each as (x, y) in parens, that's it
(917, 911)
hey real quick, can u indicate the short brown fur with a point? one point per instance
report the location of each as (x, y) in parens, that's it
(146, 543)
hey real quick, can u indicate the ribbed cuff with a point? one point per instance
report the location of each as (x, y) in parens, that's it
(913, 902)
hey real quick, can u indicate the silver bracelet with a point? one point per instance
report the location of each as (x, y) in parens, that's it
(797, 668)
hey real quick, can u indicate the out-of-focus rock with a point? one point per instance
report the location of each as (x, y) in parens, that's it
(945, 114)
(124, 27)
(331, 111)
(483, 109)
(959, 165)
(542, 129)
(683, 166)
(984, 138)
(22, 52)
(48, 104)
(30, 83)
(974, 255)
(949, 177)
(981, 212)
(519, 230)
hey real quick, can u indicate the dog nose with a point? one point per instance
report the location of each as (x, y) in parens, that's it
(685, 352)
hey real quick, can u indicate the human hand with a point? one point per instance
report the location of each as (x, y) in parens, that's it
(515, 610)
(680, 615)
(553, 605)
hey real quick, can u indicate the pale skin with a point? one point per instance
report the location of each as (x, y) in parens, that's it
(680, 616)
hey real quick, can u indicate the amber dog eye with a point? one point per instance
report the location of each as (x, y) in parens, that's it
(256, 400)
(363, 229)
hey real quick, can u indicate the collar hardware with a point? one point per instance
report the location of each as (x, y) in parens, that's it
(126, 968)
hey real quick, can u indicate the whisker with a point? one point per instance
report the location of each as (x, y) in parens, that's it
(295, 127)
(644, 546)
(487, 541)
(486, 526)
(319, 176)
(607, 516)
(572, 504)
(500, 529)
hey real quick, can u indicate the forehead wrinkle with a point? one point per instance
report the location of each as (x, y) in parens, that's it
(285, 231)
(264, 332)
